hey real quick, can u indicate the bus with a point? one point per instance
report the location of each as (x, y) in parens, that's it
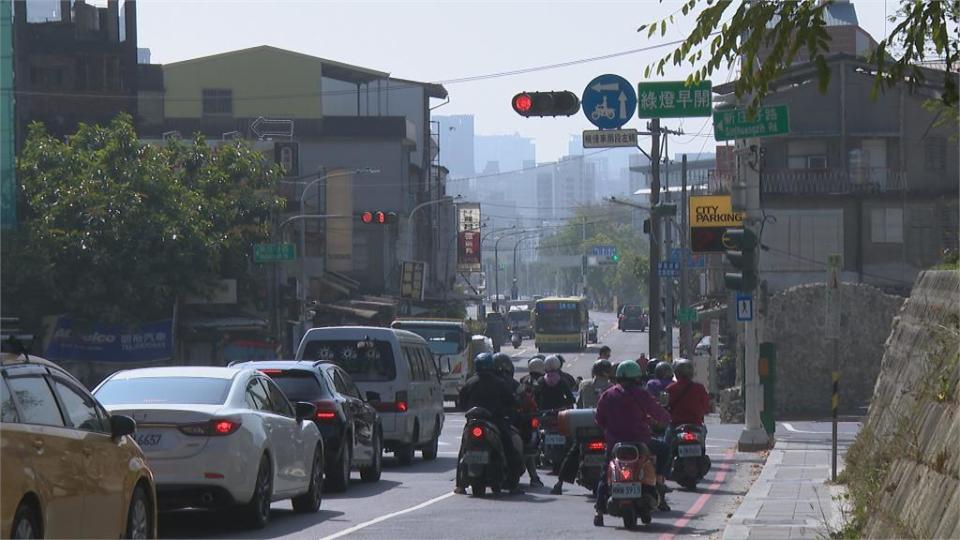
(561, 323)
(453, 346)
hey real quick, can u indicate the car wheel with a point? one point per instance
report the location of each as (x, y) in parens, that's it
(338, 478)
(257, 511)
(430, 451)
(310, 501)
(26, 522)
(372, 473)
(139, 519)
(404, 454)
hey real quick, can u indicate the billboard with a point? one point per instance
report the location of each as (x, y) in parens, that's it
(339, 232)
(468, 237)
(95, 341)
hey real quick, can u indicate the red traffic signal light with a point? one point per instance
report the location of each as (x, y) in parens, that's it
(378, 217)
(561, 103)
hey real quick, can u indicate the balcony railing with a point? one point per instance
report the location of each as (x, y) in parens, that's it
(832, 181)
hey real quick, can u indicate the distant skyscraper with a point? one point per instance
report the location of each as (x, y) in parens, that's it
(457, 144)
(143, 55)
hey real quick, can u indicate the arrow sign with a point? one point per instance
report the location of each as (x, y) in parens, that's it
(609, 101)
(609, 87)
(266, 127)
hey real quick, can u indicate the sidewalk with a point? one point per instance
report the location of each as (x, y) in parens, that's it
(791, 499)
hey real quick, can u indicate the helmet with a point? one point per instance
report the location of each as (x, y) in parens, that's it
(629, 370)
(652, 366)
(552, 363)
(484, 362)
(503, 363)
(536, 365)
(683, 368)
(603, 367)
(664, 371)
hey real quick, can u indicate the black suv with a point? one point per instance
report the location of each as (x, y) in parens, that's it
(352, 436)
(632, 317)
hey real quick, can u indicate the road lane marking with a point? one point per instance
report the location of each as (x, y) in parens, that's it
(383, 518)
(789, 427)
(701, 500)
(518, 353)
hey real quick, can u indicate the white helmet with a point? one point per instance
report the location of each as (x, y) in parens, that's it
(552, 363)
(536, 365)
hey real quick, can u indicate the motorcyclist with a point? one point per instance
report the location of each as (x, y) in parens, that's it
(590, 391)
(688, 400)
(624, 412)
(496, 329)
(535, 371)
(487, 389)
(552, 391)
(568, 378)
(605, 353)
(527, 408)
(663, 377)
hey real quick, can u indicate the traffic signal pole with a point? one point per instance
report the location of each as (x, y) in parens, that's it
(754, 437)
(653, 281)
(686, 327)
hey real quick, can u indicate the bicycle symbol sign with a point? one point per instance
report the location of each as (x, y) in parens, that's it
(609, 101)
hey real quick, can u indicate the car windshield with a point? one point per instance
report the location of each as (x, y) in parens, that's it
(519, 316)
(633, 311)
(365, 361)
(558, 322)
(442, 340)
(162, 390)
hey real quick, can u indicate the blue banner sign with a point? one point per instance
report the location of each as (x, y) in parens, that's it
(92, 341)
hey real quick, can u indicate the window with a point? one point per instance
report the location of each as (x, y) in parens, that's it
(8, 412)
(256, 397)
(79, 408)
(935, 154)
(280, 404)
(217, 101)
(807, 155)
(352, 389)
(364, 363)
(300, 385)
(35, 401)
(428, 364)
(416, 372)
(158, 390)
(886, 225)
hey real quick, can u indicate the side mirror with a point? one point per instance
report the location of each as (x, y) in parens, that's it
(373, 397)
(305, 411)
(121, 425)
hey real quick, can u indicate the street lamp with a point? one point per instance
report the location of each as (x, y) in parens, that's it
(515, 264)
(414, 211)
(496, 256)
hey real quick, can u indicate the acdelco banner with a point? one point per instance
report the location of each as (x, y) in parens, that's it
(710, 216)
(468, 237)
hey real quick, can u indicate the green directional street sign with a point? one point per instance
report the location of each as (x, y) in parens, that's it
(268, 253)
(687, 315)
(734, 123)
(674, 99)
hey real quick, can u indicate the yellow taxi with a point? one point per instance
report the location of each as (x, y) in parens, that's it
(68, 468)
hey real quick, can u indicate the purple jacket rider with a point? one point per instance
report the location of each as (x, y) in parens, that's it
(622, 413)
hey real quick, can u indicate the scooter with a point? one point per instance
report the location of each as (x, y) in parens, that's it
(690, 461)
(632, 479)
(593, 456)
(516, 340)
(483, 462)
(553, 443)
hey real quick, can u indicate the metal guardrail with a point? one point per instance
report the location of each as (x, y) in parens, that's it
(833, 181)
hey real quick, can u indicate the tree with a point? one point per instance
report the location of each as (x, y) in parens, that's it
(925, 28)
(116, 230)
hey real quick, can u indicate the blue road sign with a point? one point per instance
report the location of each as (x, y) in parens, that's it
(603, 251)
(668, 269)
(744, 307)
(609, 101)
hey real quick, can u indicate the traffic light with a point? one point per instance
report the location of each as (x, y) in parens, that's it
(378, 217)
(741, 252)
(562, 103)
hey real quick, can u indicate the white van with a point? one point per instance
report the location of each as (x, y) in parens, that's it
(396, 372)
(452, 347)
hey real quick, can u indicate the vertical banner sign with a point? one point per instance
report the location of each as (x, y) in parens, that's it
(468, 237)
(8, 183)
(412, 280)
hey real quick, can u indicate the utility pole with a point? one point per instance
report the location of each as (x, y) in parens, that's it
(754, 437)
(686, 327)
(668, 307)
(653, 281)
(583, 266)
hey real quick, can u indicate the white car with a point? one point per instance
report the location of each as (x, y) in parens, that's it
(221, 437)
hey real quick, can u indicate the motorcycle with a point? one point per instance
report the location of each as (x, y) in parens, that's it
(553, 443)
(483, 462)
(516, 340)
(690, 462)
(581, 425)
(632, 479)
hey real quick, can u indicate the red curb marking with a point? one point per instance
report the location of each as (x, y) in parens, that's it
(702, 500)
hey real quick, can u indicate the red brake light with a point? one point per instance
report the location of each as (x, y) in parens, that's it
(477, 432)
(626, 474)
(215, 427)
(690, 437)
(401, 406)
(535, 423)
(326, 410)
(271, 371)
(598, 446)
(223, 427)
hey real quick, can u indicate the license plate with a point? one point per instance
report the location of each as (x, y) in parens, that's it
(690, 450)
(594, 460)
(626, 490)
(476, 458)
(146, 440)
(555, 439)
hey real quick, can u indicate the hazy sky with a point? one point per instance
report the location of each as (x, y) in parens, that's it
(449, 39)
